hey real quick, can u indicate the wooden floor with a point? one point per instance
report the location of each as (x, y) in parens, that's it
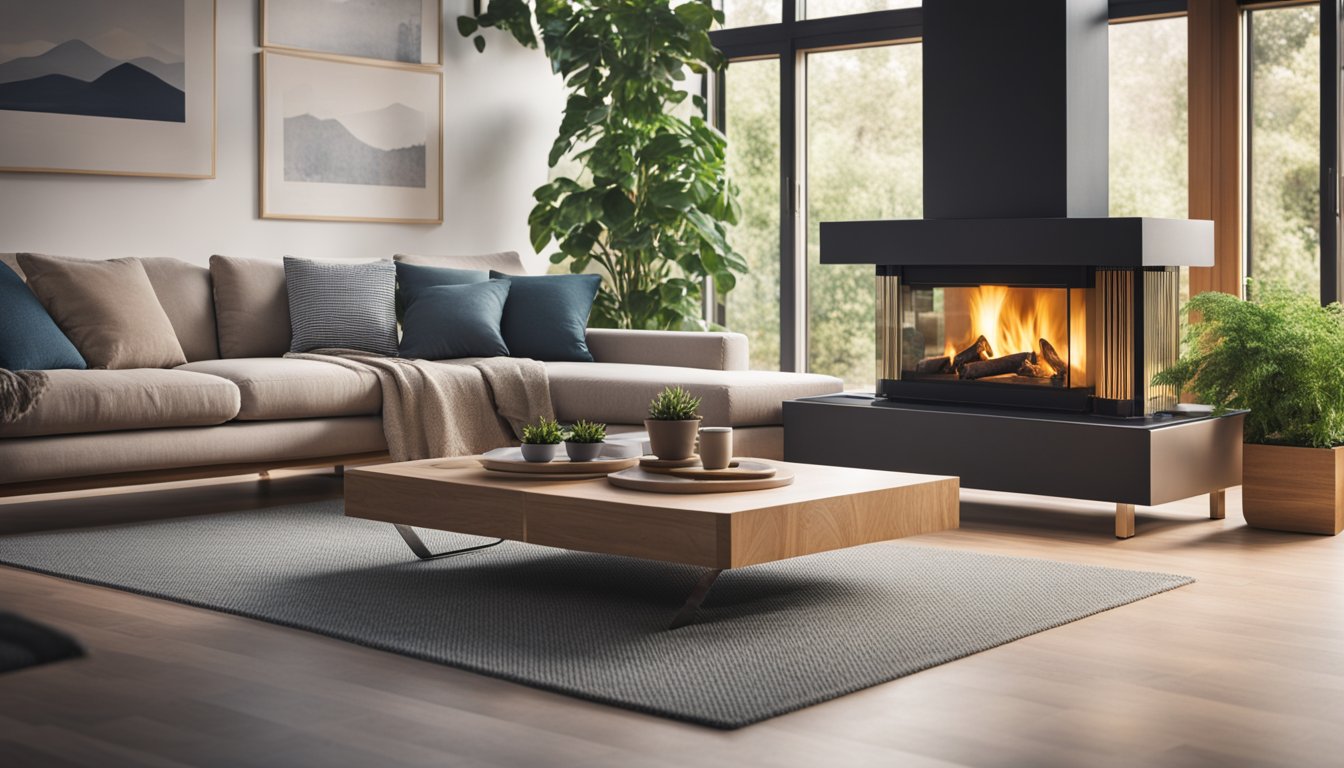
(1243, 668)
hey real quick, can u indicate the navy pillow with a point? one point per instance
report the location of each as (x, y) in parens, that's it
(546, 316)
(29, 339)
(346, 306)
(452, 321)
(413, 279)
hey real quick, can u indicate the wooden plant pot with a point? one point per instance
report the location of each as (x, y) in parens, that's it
(1286, 488)
(672, 439)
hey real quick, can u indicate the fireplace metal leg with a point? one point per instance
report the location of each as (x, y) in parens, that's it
(417, 546)
(1218, 504)
(694, 600)
(1124, 521)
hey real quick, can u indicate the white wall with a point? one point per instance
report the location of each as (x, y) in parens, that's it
(501, 110)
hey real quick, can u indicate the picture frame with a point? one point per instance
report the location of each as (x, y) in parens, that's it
(377, 30)
(121, 89)
(350, 140)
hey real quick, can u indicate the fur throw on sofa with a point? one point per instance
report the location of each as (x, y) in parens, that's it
(19, 392)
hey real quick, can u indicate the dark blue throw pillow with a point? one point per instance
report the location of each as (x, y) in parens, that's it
(546, 317)
(413, 279)
(29, 339)
(451, 321)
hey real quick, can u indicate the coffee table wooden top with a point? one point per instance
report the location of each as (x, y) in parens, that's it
(825, 508)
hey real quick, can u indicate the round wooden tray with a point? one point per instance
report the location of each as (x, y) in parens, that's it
(550, 476)
(640, 479)
(738, 469)
(653, 462)
(614, 457)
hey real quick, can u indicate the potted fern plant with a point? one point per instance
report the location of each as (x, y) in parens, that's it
(540, 440)
(584, 440)
(673, 423)
(1280, 357)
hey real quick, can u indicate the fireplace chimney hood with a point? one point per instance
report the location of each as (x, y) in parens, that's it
(1016, 151)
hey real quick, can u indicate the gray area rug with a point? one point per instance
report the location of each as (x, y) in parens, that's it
(770, 639)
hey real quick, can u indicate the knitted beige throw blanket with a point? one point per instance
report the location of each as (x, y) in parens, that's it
(454, 407)
(19, 392)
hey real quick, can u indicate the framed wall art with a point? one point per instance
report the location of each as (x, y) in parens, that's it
(405, 31)
(123, 88)
(350, 141)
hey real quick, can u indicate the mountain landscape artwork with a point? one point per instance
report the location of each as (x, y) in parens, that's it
(391, 30)
(383, 147)
(123, 59)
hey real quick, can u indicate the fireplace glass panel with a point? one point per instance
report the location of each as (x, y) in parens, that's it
(1009, 335)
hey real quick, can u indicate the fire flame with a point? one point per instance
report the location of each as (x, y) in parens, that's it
(1014, 320)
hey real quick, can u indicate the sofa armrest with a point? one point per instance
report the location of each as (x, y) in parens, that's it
(686, 349)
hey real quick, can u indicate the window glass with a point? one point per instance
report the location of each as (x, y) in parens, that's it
(746, 13)
(865, 140)
(1284, 205)
(751, 122)
(816, 9)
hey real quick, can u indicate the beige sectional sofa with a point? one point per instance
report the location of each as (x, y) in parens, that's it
(219, 415)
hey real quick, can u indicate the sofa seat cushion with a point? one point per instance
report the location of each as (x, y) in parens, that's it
(275, 388)
(112, 400)
(619, 393)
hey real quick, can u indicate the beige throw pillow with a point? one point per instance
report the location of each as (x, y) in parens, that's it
(251, 307)
(107, 309)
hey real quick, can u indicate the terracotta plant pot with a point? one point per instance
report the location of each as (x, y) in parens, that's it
(672, 439)
(582, 451)
(1287, 488)
(539, 452)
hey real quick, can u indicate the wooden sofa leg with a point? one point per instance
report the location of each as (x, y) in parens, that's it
(1218, 504)
(264, 474)
(1124, 521)
(340, 470)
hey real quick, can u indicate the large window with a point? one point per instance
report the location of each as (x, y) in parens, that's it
(1283, 244)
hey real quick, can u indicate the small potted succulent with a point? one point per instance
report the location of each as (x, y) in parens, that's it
(540, 440)
(673, 423)
(584, 441)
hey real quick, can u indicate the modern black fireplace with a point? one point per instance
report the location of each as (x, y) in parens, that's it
(1018, 325)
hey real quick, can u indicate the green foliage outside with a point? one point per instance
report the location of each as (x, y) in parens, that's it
(586, 432)
(674, 404)
(1281, 356)
(544, 432)
(651, 205)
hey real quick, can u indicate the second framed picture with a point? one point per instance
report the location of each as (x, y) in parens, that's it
(406, 31)
(350, 141)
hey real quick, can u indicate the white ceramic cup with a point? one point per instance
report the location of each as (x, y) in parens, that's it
(716, 447)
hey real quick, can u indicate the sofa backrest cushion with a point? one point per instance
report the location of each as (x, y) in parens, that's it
(108, 310)
(508, 262)
(29, 338)
(185, 294)
(547, 315)
(251, 307)
(345, 306)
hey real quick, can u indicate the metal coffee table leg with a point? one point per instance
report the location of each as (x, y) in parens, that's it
(421, 551)
(693, 601)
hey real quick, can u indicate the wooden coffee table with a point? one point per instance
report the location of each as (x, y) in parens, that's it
(825, 508)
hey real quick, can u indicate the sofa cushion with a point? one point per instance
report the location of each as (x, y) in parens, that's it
(29, 338)
(453, 321)
(281, 388)
(108, 401)
(251, 307)
(546, 316)
(184, 293)
(345, 306)
(619, 393)
(108, 310)
(508, 262)
(413, 280)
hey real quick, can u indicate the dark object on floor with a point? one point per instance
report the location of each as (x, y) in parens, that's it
(25, 644)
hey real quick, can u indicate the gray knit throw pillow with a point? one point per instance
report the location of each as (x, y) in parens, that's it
(342, 306)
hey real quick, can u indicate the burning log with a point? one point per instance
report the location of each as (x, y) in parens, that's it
(928, 365)
(1053, 359)
(1035, 371)
(980, 350)
(997, 366)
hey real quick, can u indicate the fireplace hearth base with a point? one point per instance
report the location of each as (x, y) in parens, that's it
(1128, 462)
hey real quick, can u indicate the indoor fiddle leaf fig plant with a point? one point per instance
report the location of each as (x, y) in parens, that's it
(651, 204)
(1281, 358)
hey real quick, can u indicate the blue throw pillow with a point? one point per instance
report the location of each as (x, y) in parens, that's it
(412, 279)
(546, 317)
(29, 339)
(452, 321)
(346, 306)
